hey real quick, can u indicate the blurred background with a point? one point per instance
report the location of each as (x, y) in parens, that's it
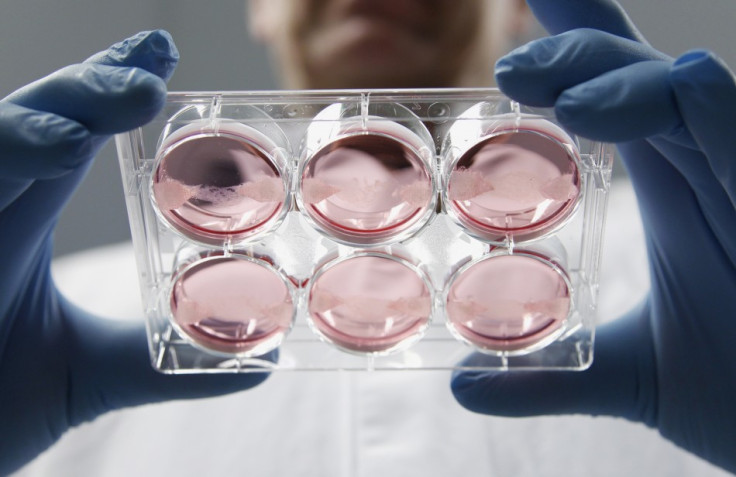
(217, 53)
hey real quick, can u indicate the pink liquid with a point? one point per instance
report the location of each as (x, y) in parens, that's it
(507, 302)
(212, 187)
(365, 188)
(370, 304)
(232, 305)
(521, 184)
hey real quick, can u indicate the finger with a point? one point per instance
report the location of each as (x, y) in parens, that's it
(104, 99)
(558, 16)
(113, 91)
(619, 383)
(713, 213)
(33, 214)
(639, 101)
(39, 145)
(660, 189)
(675, 205)
(136, 381)
(629, 103)
(113, 370)
(12, 188)
(43, 157)
(154, 51)
(705, 92)
(535, 74)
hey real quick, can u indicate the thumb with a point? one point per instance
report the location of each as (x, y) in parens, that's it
(112, 370)
(619, 383)
(153, 51)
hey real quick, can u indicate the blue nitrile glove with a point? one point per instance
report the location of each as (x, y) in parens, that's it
(670, 363)
(59, 366)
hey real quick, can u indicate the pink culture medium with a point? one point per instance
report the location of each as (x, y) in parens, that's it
(508, 302)
(369, 304)
(366, 188)
(233, 305)
(520, 184)
(213, 187)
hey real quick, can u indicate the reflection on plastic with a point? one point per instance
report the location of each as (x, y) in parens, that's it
(370, 303)
(217, 186)
(508, 302)
(233, 305)
(368, 182)
(519, 184)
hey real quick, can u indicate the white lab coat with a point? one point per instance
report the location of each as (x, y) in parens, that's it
(327, 424)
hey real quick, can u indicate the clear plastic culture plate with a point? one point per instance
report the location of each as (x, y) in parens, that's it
(364, 230)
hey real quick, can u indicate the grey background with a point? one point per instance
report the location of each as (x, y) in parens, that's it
(37, 37)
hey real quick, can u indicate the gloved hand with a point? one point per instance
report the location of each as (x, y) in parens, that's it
(669, 363)
(59, 366)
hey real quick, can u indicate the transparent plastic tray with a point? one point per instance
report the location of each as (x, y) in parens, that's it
(364, 230)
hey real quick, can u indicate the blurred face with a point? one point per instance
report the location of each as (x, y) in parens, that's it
(382, 43)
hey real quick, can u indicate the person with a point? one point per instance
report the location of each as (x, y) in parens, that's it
(364, 44)
(665, 364)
